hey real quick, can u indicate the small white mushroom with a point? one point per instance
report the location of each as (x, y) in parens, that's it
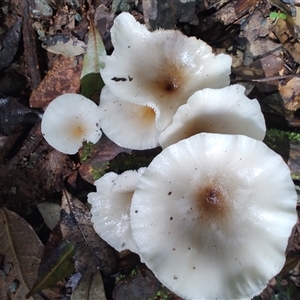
(212, 214)
(160, 69)
(68, 121)
(111, 208)
(127, 124)
(225, 110)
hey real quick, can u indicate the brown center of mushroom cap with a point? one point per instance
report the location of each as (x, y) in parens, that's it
(213, 202)
(77, 131)
(165, 81)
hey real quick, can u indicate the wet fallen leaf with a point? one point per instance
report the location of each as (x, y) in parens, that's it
(91, 252)
(139, 284)
(13, 114)
(21, 251)
(91, 81)
(10, 44)
(95, 158)
(90, 287)
(63, 77)
(55, 267)
(166, 14)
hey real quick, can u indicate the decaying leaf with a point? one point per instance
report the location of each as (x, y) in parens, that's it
(91, 252)
(286, 38)
(291, 262)
(90, 287)
(50, 212)
(21, 251)
(63, 77)
(55, 267)
(68, 46)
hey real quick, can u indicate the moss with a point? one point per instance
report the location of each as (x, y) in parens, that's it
(125, 161)
(277, 136)
(86, 151)
(163, 294)
(100, 171)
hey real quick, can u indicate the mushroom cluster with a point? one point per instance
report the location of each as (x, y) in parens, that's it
(214, 197)
(210, 216)
(149, 76)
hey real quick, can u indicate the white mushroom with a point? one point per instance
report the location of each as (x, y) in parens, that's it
(111, 208)
(127, 124)
(212, 214)
(161, 69)
(225, 110)
(68, 121)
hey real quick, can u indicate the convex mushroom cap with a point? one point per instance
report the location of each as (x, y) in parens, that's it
(212, 214)
(127, 124)
(160, 69)
(68, 121)
(225, 110)
(111, 208)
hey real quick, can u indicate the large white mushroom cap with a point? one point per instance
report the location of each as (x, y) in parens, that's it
(127, 124)
(212, 214)
(111, 208)
(225, 110)
(161, 69)
(69, 120)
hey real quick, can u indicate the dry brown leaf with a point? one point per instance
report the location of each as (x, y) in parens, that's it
(63, 77)
(91, 252)
(290, 94)
(20, 251)
(286, 38)
(90, 287)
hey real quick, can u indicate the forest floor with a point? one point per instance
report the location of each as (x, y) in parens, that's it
(43, 192)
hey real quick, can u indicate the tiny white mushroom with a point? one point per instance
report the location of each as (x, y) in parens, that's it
(127, 124)
(161, 69)
(111, 208)
(68, 121)
(225, 110)
(212, 214)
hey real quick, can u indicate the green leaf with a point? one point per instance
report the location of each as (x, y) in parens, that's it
(273, 15)
(282, 16)
(54, 268)
(91, 81)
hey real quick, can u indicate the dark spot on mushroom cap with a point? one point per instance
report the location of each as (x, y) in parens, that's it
(170, 193)
(117, 79)
(171, 218)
